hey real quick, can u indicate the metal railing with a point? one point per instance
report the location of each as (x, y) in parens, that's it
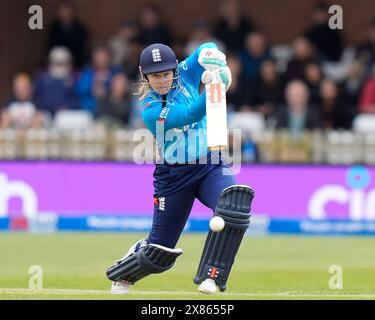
(317, 147)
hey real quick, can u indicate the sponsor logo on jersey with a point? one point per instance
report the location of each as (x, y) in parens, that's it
(184, 65)
(184, 91)
(163, 114)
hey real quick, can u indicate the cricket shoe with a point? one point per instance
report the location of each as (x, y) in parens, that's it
(120, 287)
(208, 286)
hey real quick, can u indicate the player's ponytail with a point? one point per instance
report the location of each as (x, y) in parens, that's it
(142, 88)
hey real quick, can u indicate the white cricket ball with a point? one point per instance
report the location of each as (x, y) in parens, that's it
(207, 77)
(217, 224)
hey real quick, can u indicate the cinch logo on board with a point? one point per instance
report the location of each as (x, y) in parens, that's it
(360, 203)
(17, 189)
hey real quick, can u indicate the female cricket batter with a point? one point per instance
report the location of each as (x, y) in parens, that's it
(174, 107)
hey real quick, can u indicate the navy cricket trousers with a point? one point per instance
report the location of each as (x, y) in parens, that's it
(176, 188)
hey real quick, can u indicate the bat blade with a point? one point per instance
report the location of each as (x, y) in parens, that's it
(216, 115)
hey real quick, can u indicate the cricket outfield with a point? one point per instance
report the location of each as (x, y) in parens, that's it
(271, 267)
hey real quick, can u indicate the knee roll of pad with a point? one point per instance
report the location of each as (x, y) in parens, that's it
(234, 206)
(151, 258)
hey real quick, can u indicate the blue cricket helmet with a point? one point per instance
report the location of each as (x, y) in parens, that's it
(157, 58)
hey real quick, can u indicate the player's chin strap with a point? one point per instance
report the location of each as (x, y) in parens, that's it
(220, 249)
(142, 260)
(176, 85)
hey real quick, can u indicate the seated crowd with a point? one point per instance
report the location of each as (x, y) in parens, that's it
(316, 81)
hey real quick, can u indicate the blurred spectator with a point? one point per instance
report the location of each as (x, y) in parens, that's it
(178, 46)
(135, 119)
(131, 65)
(366, 51)
(336, 112)
(232, 27)
(67, 31)
(55, 89)
(95, 80)
(303, 55)
(298, 115)
(354, 79)
(367, 96)
(239, 95)
(152, 29)
(268, 89)
(120, 44)
(114, 109)
(256, 51)
(20, 112)
(201, 33)
(327, 41)
(359, 69)
(313, 77)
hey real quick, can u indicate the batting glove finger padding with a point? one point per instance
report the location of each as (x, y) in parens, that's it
(208, 76)
(212, 58)
(222, 75)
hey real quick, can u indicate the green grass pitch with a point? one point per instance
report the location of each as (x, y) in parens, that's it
(282, 267)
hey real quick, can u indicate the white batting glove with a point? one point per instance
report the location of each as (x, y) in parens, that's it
(212, 58)
(208, 76)
(222, 75)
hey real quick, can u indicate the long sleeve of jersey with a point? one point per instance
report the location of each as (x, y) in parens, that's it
(175, 116)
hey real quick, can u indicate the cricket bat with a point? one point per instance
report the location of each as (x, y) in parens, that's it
(216, 115)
